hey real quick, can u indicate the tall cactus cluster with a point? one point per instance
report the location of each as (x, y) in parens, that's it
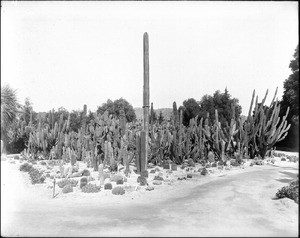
(108, 140)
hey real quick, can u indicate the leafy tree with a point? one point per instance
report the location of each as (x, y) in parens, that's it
(114, 107)
(9, 111)
(290, 99)
(225, 105)
(190, 109)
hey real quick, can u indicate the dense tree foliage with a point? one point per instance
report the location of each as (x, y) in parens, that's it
(291, 99)
(190, 110)
(223, 103)
(220, 101)
(114, 107)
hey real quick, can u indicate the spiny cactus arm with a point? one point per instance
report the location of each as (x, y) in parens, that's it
(68, 122)
(251, 104)
(217, 130)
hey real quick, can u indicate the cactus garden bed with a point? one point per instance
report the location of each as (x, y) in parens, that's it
(131, 202)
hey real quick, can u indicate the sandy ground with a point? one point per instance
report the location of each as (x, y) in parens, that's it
(236, 202)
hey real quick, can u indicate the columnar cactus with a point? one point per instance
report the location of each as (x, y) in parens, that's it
(146, 96)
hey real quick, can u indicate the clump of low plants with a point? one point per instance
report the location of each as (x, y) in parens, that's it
(90, 188)
(118, 191)
(120, 181)
(67, 189)
(113, 167)
(86, 172)
(191, 163)
(62, 183)
(108, 186)
(150, 188)
(166, 165)
(115, 177)
(16, 157)
(158, 178)
(26, 167)
(43, 163)
(204, 171)
(36, 176)
(291, 191)
(189, 176)
(142, 180)
(256, 162)
(157, 182)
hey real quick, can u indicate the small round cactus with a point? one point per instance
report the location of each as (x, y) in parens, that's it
(142, 180)
(118, 191)
(204, 171)
(108, 186)
(83, 182)
(144, 173)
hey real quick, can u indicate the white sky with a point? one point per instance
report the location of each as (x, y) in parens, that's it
(74, 53)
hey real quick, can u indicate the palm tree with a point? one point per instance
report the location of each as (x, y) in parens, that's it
(9, 110)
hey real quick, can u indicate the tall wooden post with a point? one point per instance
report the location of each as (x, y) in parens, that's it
(146, 96)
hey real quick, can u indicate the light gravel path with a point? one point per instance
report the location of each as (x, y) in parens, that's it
(230, 205)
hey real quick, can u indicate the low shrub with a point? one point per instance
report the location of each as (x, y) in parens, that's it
(118, 191)
(283, 159)
(90, 188)
(67, 189)
(214, 165)
(291, 191)
(25, 167)
(189, 176)
(36, 176)
(16, 157)
(108, 186)
(62, 183)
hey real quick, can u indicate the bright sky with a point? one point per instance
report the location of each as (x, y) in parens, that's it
(74, 53)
